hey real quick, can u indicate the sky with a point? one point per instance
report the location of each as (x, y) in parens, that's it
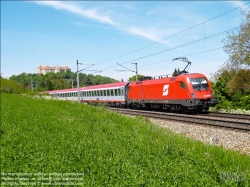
(109, 33)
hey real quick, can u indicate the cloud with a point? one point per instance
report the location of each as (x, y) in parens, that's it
(239, 3)
(147, 33)
(152, 34)
(73, 8)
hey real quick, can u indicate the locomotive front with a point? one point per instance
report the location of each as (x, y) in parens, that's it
(201, 90)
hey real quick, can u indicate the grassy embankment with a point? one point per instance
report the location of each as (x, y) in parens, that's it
(108, 149)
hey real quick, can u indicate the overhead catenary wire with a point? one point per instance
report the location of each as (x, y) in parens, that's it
(179, 46)
(173, 34)
(172, 59)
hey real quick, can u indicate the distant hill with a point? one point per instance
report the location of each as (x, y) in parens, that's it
(63, 80)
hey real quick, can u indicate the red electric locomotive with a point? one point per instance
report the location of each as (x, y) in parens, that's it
(181, 93)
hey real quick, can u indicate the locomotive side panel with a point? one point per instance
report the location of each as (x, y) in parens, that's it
(159, 90)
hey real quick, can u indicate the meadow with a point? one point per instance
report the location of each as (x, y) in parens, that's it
(102, 148)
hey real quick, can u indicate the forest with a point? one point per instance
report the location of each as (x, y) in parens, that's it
(57, 81)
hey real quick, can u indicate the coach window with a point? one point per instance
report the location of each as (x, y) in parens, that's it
(115, 90)
(111, 92)
(118, 92)
(182, 85)
(108, 94)
(101, 92)
(104, 92)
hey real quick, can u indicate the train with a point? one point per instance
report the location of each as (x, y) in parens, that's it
(182, 93)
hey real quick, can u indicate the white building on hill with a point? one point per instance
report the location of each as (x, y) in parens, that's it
(47, 69)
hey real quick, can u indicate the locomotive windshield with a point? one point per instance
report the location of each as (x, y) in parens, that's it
(199, 83)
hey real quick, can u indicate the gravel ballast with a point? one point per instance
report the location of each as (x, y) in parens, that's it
(229, 139)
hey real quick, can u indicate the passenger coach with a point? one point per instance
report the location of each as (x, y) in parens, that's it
(113, 94)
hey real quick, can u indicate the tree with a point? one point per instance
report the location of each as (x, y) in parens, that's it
(140, 77)
(88, 81)
(240, 82)
(175, 73)
(237, 46)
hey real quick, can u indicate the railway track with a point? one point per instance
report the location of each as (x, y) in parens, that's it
(227, 115)
(221, 120)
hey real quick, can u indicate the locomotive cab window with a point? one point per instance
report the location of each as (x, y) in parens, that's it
(199, 83)
(183, 85)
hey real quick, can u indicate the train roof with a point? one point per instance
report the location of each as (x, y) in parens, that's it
(169, 79)
(94, 87)
(103, 86)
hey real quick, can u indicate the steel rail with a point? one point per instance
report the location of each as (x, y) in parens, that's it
(189, 119)
(227, 115)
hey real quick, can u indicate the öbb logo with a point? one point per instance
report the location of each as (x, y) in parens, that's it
(165, 90)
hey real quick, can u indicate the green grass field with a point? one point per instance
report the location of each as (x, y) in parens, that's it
(106, 149)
